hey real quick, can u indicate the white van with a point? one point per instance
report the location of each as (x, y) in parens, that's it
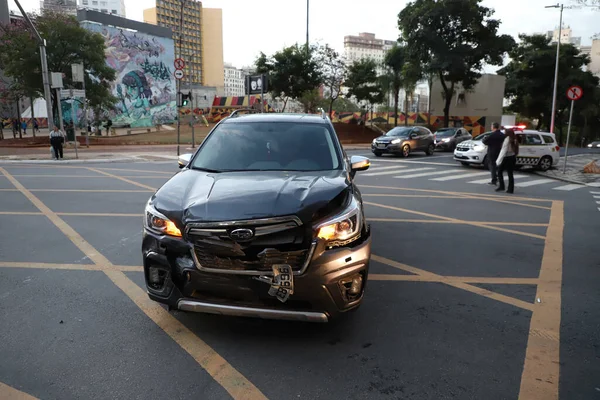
(536, 149)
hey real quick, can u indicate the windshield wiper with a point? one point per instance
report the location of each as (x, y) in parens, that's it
(206, 169)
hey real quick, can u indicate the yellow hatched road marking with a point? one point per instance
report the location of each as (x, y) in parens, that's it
(122, 179)
(10, 393)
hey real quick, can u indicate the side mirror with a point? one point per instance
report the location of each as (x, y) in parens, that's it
(413, 135)
(359, 163)
(184, 159)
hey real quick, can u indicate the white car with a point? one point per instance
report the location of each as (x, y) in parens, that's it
(536, 149)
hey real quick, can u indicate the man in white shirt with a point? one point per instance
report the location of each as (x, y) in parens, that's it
(57, 137)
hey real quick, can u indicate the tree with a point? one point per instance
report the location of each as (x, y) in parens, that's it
(363, 83)
(530, 77)
(455, 39)
(333, 70)
(411, 74)
(291, 72)
(67, 43)
(392, 79)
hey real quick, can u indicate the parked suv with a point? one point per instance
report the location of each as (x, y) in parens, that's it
(264, 220)
(404, 140)
(536, 149)
(448, 138)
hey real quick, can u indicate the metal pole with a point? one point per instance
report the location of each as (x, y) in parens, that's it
(552, 121)
(60, 117)
(85, 110)
(568, 135)
(307, 8)
(262, 94)
(191, 104)
(179, 80)
(74, 130)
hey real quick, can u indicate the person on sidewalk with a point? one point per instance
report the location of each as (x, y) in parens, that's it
(494, 143)
(57, 138)
(36, 127)
(506, 161)
(24, 127)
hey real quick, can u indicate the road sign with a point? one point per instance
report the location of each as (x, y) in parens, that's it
(178, 74)
(574, 93)
(70, 93)
(179, 63)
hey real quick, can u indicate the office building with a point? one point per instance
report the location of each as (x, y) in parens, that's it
(566, 36)
(63, 6)
(365, 45)
(235, 79)
(203, 58)
(115, 7)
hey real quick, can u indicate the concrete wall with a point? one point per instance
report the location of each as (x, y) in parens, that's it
(212, 49)
(483, 101)
(594, 65)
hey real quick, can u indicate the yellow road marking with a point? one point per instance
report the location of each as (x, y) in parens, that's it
(433, 221)
(505, 201)
(93, 190)
(123, 179)
(74, 267)
(235, 383)
(459, 285)
(465, 279)
(456, 193)
(9, 190)
(10, 393)
(136, 170)
(457, 221)
(88, 176)
(231, 380)
(76, 214)
(20, 213)
(541, 370)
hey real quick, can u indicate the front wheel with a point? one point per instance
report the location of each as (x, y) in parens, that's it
(405, 150)
(545, 163)
(430, 150)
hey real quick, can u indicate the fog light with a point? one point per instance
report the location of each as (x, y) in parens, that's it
(351, 287)
(156, 277)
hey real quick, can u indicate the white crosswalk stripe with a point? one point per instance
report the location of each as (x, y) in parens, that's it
(594, 184)
(484, 181)
(569, 187)
(423, 174)
(453, 177)
(534, 182)
(378, 168)
(594, 192)
(396, 171)
(597, 197)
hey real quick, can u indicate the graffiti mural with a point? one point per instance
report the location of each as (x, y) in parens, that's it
(145, 85)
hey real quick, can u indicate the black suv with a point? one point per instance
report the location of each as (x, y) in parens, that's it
(264, 220)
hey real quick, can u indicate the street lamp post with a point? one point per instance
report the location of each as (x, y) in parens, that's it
(307, 4)
(553, 116)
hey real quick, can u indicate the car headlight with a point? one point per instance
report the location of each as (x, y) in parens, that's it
(374, 140)
(342, 228)
(479, 147)
(396, 141)
(156, 222)
(446, 140)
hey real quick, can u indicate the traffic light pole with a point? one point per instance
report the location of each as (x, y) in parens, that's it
(191, 103)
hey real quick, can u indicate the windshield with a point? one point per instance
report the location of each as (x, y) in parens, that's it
(399, 132)
(268, 146)
(445, 132)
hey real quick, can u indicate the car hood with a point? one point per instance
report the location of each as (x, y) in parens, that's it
(197, 196)
(471, 142)
(388, 139)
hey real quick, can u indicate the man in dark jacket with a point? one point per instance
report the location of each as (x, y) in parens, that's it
(494, 144)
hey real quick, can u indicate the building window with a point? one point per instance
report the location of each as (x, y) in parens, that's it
(94, 3)
(85, 2)
(104, 10)
(113, 11)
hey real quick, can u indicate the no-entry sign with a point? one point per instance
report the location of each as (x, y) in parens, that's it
(574, 93)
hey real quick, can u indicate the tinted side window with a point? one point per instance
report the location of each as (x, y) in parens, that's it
(424, 132)
(529, 139)
(548, 139)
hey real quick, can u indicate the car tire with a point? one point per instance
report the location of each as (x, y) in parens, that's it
(545, 163)
(430, 149)
(405, 151)
(377, 153)
(466, 164)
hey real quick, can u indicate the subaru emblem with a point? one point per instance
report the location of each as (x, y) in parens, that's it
(241, 234)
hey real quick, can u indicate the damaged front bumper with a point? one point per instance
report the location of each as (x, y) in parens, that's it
(321, 290)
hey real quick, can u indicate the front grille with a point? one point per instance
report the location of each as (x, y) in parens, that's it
(274, 241)
(462, 148)
(263, 261)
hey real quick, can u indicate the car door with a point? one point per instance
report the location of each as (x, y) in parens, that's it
(531, 148)
(425, 138)
(413, 139)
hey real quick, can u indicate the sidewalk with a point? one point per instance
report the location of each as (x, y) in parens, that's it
(574, 172)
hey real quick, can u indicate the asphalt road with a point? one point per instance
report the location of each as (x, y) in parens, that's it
(472, 294)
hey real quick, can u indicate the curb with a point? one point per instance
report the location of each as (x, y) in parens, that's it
(562, 179)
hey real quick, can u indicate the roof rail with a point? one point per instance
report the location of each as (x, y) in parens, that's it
(250, 110)
(323, 115)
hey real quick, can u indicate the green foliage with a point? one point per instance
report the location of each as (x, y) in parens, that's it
(333, 71)
(363, 83)
(393, 78)
(530, 77)
(453, 40)
(67, 43)
(291, 72)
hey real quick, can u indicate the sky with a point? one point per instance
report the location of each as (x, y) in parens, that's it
(250, 27)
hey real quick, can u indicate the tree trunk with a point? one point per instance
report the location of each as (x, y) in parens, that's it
(19, 118)
(331, 101)
(430, 83)
(539, 124)
(396, 99)
(284, 104)
(448, 92)
(32, 116)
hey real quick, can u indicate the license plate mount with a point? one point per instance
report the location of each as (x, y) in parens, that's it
(282, 284)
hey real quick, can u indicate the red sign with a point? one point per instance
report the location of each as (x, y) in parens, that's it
(179, 63)
(574, 93)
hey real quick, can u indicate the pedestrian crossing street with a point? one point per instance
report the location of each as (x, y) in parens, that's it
(444, 172)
